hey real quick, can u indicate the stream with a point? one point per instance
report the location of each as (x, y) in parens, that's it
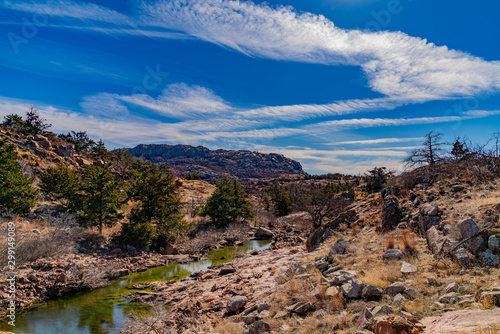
(103, 310)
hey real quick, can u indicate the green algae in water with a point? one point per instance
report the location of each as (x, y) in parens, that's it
(104, 311)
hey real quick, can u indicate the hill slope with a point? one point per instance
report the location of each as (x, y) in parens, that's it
(211, 164)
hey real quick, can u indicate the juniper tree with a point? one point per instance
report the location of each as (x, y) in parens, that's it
(16, 193)
(99, 198)
(227, 204)
(157, 203)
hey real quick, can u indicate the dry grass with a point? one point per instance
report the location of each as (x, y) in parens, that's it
(36, 240)
(409, 240)
(381, 274)
(389, 242)
(495, 329)
(229, 327)
(151, 322)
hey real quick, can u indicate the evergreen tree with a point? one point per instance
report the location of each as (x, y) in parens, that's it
(16, 193)
(61, 183)
(99, 198)
(34, 123)
(227, 204)
(99, 150)
(281, 203)
(83, 144)
(157, 205)
(460, 150)
(377, 178)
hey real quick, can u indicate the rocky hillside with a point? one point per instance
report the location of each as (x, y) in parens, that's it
(212, 164)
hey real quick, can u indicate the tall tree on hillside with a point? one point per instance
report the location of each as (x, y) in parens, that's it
(16, 193)
(227, 204)
(158, 205)
(99, 198)
(430, 153)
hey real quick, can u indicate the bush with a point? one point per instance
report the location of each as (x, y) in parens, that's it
(16, 193)
(83, 144)
(227, 204)
(139, 235)
(377, 178)
(192, 176)
(59, 182)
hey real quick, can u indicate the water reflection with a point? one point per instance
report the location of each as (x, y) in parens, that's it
(104, 311)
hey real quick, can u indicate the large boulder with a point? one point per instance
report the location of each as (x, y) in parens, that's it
(391, 214)
(338, 248)
(372, 292)
(494, 243)
(353, 289)
(429, 216)
(438, 242)
(469, 228)
(263, 234)
(236, 303)
(314, 239)
(393, 254)
(395, 288)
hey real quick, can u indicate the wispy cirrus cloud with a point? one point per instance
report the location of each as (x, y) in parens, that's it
(179, 101)
(71, 9)
(378, 141)
(396, 65)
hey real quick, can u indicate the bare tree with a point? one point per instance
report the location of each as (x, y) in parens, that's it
(320, 204)
(431, 152)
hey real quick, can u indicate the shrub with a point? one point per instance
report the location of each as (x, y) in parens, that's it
(139, 235)
(60, 183)
(192, 176)
(83, 144)
(377, 178)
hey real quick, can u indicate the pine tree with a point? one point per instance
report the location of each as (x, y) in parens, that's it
(99, 198)
(157, 202)
(281, 203)
(61, 183)
(16, 193)
(227, 204)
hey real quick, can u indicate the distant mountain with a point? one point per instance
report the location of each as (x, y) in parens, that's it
(212, 164)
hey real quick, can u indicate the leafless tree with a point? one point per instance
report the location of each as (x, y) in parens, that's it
(429, 154)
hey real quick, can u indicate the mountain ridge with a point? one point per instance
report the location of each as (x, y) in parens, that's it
(213, 164)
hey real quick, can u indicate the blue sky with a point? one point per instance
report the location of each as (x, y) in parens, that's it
(339, 85)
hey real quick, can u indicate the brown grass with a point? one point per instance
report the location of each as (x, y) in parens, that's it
(408, 238)
(389, 242)
(229, 327)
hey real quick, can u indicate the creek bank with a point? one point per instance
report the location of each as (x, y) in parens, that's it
(207, 294)
(50, 278)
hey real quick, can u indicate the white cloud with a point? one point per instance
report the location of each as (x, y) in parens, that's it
(378, 141)
(396, 64)
(70, 9)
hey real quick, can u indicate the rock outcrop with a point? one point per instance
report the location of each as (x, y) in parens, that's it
(212, 164)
